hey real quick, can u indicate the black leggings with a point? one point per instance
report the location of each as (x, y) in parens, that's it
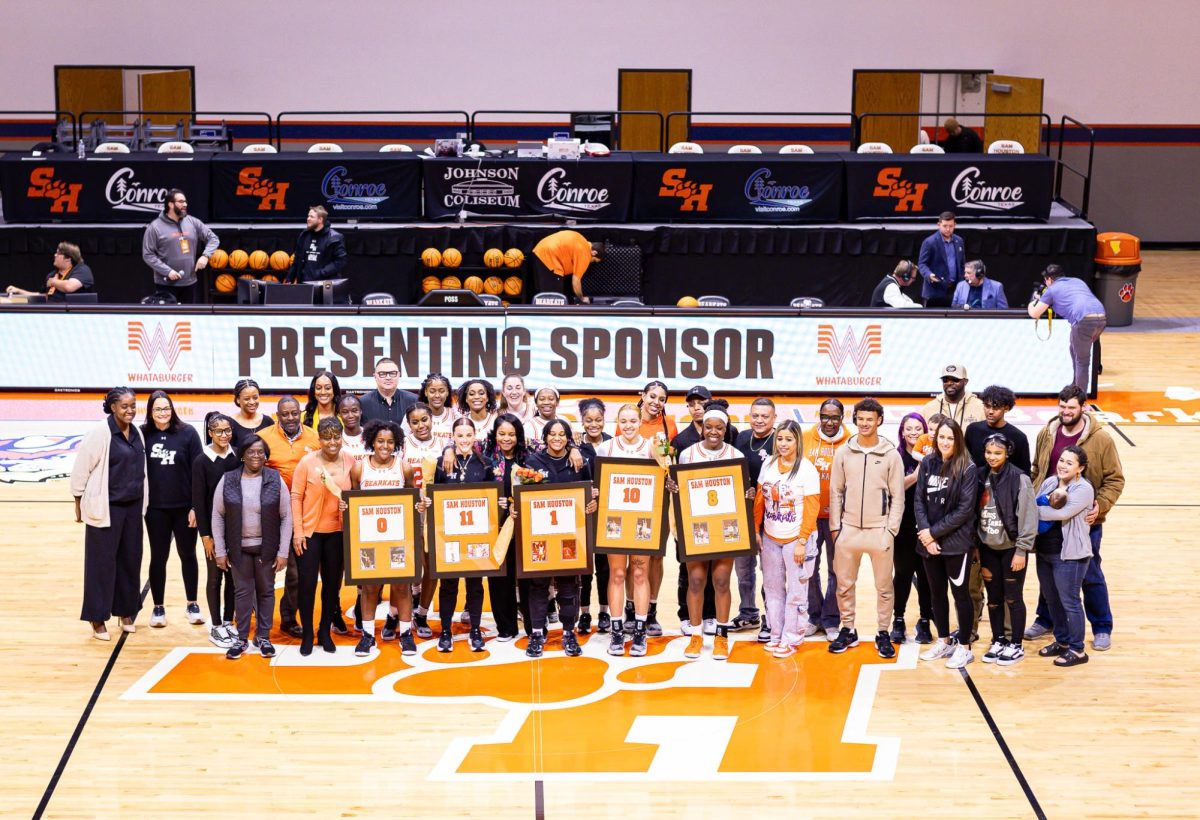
(212, 592)
(585, 584)
(567, 596)
(1004, 585)
(448, 597)
(502, 589)
(949, 569)
(160, 526)
(322, 556)
(906, 563)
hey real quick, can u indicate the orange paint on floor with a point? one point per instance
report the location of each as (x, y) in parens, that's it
(549, 680)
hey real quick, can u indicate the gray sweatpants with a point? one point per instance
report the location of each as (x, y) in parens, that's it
(1084, 334)
(254, 592)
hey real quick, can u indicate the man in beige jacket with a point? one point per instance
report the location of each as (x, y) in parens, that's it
(866, 504)
(956, 401)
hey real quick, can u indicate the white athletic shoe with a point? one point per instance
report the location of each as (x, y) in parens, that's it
(193, 614)
(158, 617)
(219, 637)
(811, 629)
(709, 625)
(831, 634)
(685, 628)
(940, 649)
(961, 657)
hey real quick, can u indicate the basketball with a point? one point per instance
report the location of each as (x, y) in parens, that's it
(430, 283)
(226, 283)
(473, 284)
(219, 259)
(270, 277)
(451, 257)
(258, 260)
(238, 259)
(246, 276)
(280, 260)
(493, 285)
(431, 257)
(688, 302)
(493, 258)
(513, 258)
(513, 285)
(451, 282)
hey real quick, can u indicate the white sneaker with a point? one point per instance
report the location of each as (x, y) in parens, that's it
(811, 629)
(993, 652)
(961, 657)
(464, 617)
(1011, 655)
(219, 637)
(709, 626)
(194, 615)
(158, 617)
(940, 649)
(685, 628)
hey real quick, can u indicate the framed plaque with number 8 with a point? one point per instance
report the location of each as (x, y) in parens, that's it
(383, 538)
(716, 520)
(463, 523)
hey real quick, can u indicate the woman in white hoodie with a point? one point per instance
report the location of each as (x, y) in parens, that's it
(111, 496)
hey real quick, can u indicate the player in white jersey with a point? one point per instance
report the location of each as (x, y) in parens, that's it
(438, 395)
(477, 401)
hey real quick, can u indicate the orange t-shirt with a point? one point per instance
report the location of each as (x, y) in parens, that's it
(650, 428)
(820, 453)
(314, 507)
(566, 253)
(285, 455)
(924, 444)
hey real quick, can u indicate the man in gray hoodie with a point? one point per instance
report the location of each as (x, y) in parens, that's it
(866, 505)
(176, 247)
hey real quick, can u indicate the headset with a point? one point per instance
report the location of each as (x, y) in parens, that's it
(906, 271)
(1001, 439)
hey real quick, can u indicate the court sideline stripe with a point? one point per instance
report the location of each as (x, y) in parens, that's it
(1120, 432)
(83, 718)
(1008, 755)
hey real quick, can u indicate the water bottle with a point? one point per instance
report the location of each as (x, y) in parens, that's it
(80, 151)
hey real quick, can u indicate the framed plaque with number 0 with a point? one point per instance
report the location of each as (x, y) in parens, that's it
(383, 538)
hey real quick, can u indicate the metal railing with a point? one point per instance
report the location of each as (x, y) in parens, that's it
(53, 134)
(192, 132)
(1040, 115)
(1082, 210)
(853, 121)
(451, 115)
(570, 115)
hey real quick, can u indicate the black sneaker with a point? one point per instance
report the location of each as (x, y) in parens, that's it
(616, 641)
(603, 623)
(846, 639)
(993, 653)
(570, 645)
(744, 623)
(421, 624)
(445, 641)
(408, 646)
(265, 648)
(390, 626)
(365, 643)
(476, 639)
(638, 648)
(629, 616)
(883, 645)
(653, 627)
(237, 650)
(585, 623)
(294, 629)
(534, 649)
(764, 630)
(899, 633)
(924, 635)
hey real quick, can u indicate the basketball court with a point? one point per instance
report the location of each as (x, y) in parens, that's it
(160, 724)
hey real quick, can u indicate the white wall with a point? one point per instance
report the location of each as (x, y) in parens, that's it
(1104, 61)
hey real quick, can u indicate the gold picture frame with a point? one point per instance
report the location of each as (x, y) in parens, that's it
(716, 520)
(384, 539)
(555, 535)
(631, 518)
(463, 525)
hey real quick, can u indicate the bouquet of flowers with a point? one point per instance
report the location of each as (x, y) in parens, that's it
(664, 453)
(527, 475)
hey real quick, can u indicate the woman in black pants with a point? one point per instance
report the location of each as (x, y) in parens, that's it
(591, 414)
(468, 466)
(945, 495)
(506, 447)
(213, 462)
(907, 562)
(109, 485)
(555, 462)
(171, 449)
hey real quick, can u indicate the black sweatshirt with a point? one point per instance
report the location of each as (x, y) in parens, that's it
(558, 470)
(206, 472)
(169, 458)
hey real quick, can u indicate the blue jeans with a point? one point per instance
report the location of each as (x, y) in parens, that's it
(823, 608)
(1061, 582)
(1095, 594)
(746, 567)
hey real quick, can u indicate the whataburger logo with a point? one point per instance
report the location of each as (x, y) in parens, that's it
(856, 349)
(151, 345)
(591, 718)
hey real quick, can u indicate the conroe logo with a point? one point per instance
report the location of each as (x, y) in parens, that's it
(654, 718)
(64, 196)
(694, 195)
(909, 196)
(152, 345)
(272, 196)
(849, 347)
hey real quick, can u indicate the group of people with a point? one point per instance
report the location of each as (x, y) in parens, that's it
(954, 507)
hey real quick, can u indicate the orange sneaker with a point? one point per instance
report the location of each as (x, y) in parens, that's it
(720, 648)
(694, 647)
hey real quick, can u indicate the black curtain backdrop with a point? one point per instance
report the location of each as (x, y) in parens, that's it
(751, 265)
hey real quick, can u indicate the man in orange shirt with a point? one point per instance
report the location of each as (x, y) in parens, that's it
(819, 443)
(288, 441)
(563, 254)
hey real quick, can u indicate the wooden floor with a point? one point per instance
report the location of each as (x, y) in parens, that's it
(177, 731)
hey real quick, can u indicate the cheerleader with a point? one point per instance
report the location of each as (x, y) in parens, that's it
(323, 395)
(247, 420)
(507, 450)
(555, 462)
(469, 466)
(438, 397)
(477, 401)
(661, 430)
(630, 443)
(546, 401)
(711, 447)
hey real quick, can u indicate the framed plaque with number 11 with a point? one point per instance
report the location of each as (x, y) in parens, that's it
(463, 524)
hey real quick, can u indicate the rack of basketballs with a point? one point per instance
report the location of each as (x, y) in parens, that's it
(501, 274)
(230, 266)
